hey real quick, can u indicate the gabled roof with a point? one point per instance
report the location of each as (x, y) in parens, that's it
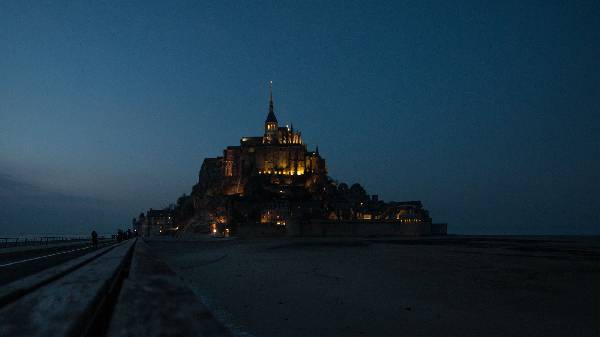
(271, 116)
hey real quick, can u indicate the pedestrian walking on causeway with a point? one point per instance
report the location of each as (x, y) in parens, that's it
(94, 239)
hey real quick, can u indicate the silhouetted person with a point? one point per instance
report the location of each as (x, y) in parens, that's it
(94, 239)
(129, 236)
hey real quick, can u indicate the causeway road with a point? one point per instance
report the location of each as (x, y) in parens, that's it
(18, 264)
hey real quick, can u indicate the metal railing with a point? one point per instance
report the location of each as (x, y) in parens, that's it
(41, 240)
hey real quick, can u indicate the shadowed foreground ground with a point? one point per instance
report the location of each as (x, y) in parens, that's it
(461, 286)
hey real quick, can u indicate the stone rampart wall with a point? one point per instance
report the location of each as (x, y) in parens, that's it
(360, 228)
(344, 229)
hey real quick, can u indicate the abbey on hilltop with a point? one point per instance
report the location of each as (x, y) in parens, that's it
(279, 153)
(274, 185)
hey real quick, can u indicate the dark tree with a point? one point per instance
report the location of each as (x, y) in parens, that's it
(358, 193)
(343, 188)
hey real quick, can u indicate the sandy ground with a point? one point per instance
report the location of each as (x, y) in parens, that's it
(456, 286)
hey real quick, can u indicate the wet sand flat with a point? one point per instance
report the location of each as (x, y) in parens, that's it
(452, 286)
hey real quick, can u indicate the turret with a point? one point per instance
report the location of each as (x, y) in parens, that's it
(271, 121)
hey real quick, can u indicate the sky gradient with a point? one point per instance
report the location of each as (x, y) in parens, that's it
(487, 111)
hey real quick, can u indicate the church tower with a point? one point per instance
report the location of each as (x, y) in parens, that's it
(271, 125)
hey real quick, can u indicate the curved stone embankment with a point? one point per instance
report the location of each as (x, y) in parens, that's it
(118, 290)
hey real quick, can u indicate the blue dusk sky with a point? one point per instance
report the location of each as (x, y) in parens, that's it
(487, 111)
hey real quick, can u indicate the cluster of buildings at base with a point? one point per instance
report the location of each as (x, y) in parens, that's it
(274, 185)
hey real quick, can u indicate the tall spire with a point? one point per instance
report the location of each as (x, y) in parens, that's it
(271, 116)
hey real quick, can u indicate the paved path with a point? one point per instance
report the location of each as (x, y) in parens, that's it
(36, 246)
(118, 290)
(67, 300)
(453, 286)
(155, 302)
(19, 264)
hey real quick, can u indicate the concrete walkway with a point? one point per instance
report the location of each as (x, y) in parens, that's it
(155, 302)
(120, 290)
(67, 305)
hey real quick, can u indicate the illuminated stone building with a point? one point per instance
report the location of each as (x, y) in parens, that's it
(280, 154)
(275, 184)
(155, 222)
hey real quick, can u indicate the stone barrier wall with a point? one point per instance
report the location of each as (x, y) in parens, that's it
(360, 228)
(439, 229)
(252, 230)
(344, 229)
